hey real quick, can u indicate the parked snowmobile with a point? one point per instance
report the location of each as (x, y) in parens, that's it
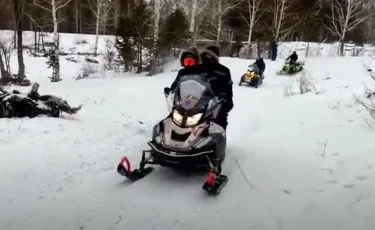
(291, 68)
(188, 138)
(251, 77)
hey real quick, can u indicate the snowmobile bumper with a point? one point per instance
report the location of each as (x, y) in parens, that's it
(215, 181)
(196, 158)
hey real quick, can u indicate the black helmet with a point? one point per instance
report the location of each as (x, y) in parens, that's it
(210, 55)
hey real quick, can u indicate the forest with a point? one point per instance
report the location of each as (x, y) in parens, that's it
(159, 28)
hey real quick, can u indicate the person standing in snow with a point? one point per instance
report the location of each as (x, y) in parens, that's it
(274, 50)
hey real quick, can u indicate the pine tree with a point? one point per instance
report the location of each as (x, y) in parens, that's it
(174, 31)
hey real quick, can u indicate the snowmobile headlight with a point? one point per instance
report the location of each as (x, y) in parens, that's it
(193, 120)
(177, 117)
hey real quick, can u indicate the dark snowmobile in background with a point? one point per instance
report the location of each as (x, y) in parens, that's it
(188, 138)
(15, 104)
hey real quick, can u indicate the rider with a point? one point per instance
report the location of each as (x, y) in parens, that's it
(219, 77)
(293, 58)
(259, 62)
(190, 57)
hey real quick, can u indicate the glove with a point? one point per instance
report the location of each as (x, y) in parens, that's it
(167, 91)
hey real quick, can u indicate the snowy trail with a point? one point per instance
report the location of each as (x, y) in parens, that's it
(60, 173)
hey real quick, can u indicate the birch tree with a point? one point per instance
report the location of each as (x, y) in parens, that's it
(18, 14)
(344, 17)
(193, 9)
(219, 10)
(154, 61)
(281, 10)
(53, 6)
(251, 19)
(100, 9)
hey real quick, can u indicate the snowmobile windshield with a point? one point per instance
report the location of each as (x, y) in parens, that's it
(255, 68)
(193, 95)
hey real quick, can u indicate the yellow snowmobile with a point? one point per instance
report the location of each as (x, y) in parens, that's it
(251, 78)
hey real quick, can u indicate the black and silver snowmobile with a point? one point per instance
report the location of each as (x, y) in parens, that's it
(188, 138)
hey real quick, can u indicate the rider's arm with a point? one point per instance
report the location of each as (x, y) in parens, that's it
(175, 82)
(228, 90)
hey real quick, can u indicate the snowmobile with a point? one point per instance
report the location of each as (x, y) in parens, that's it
(251, 78)
(188, 138)
(289, 69)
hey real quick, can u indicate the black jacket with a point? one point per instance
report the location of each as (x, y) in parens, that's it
(219, 77)
(260, 64)
(293, 57)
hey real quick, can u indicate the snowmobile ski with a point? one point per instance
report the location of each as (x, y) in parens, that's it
(124, 169)
(215, 183)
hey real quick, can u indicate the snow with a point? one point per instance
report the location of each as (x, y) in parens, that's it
(60, 173)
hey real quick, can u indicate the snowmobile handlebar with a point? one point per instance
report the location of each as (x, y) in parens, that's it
(167, 91)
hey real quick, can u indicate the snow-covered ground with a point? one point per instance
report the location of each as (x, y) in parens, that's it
(299, 162)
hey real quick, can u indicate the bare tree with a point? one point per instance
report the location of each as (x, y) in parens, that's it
(100, 9)
(6, 50)
(251, 19)
(157, 11)
(345, 16)
(219, 10)
(193, 9)
(281, 10)
(53, 6)
(18, 13)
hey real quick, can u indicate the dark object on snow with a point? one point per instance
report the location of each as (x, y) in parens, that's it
(189, 138)
(91, 60)
(15, 104)
(274, 50)
(8, 79)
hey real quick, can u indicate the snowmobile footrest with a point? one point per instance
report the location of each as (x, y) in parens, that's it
(215, 183)
(123, 169)
(135, 174)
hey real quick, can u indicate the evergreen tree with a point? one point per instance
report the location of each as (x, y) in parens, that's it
(124, 44)
(174, 30)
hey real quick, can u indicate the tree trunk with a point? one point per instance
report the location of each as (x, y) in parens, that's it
(156, 37)
(3, 72)
(56, 64)
(219, 22)
(18, 16)
(76, 15)
(98, 15)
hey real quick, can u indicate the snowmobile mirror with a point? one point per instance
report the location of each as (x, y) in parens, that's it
(369, 70)
(167, 91)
